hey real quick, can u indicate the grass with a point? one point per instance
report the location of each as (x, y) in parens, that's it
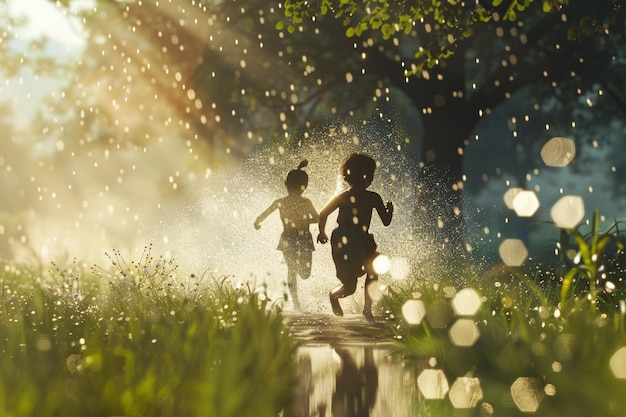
(135, 341)
(556, 324)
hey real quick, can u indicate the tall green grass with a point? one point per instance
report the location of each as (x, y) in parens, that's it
(136, 340)
(555, 321)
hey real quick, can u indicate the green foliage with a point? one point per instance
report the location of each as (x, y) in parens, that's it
(446, 22)
(522, 334)
(139, 341)
(528, 327)
(589, 263)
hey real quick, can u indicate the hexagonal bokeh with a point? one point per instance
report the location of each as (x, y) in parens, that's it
(558, 152)
(618, 363)
(510, 195)
(526, 203)
(413, 311)
(527, 394)
(513, 252)
(568, 211)
(466, 302)
(465, 392)
(433, 384)
(464, 333)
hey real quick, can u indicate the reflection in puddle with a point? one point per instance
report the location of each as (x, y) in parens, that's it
(351, 381)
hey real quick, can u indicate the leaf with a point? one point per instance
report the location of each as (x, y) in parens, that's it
(280, 25)
(547, 6)
(567, 283)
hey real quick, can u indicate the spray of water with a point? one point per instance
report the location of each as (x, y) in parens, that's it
(210, 227)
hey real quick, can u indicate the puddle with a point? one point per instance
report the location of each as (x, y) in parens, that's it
(345, 369)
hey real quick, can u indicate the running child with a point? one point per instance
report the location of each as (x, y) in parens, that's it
(353, 247)
(296, 242)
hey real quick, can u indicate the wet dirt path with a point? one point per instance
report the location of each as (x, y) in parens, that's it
(346, 368)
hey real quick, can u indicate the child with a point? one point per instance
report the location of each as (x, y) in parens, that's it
(353, 247)
(296, 241)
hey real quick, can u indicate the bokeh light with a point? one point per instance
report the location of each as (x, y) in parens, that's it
(565, 346)
(433, 384)
(527, 394)
(466, 302)
(618, 363)
(464, 332)
(381, 264)
(466, 392)
(513, 252)
(568, 211)
(376, 291)
(526, 203)
(558, 152)
(413, 311)
(400, 268)
(510, 195)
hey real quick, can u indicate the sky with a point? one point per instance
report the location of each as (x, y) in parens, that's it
(44, 18)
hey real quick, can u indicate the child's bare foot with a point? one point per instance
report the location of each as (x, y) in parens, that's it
(334, 303)
(368, 316)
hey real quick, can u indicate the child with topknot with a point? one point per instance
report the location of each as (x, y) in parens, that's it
(353, 247)
(296, 242)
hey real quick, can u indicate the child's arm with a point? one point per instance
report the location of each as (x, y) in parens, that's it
(267, 212)
(313, 215)
(385, 211)
(322, 237)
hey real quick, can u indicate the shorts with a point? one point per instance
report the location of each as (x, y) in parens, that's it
(353, 252)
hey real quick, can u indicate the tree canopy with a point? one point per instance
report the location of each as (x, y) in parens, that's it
(223, 75)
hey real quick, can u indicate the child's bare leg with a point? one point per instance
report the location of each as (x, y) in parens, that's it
(292, 284)
(304, 264)
(367, 307)
(348, 288)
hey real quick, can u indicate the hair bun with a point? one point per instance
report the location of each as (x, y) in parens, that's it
(303, 164)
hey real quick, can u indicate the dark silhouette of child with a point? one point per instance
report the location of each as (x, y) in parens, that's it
(353, 247)
(296, 242)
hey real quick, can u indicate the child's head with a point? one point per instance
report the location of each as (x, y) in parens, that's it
(297, 179)
(358, 169)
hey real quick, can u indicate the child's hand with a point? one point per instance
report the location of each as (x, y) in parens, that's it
(257, 225)
(322, 238)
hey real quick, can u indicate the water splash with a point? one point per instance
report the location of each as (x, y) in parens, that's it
(210, 226)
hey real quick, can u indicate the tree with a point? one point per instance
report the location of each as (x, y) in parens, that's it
(457, 61)
(235, 81)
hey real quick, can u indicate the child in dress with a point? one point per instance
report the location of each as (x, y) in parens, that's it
(353, 247)
(296, 242)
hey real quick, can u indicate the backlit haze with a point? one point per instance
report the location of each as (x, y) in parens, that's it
(143, 176)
